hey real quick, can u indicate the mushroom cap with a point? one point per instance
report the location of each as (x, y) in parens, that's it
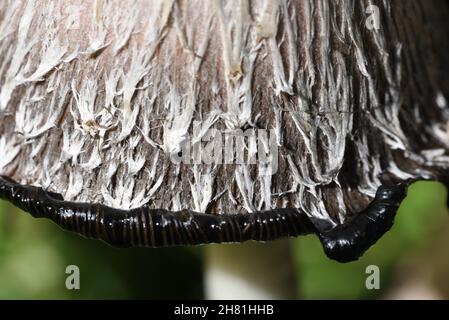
(228, 120)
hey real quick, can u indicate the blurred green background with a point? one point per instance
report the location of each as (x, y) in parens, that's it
(413, 259)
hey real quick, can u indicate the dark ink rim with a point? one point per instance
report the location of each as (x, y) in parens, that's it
(145, 227)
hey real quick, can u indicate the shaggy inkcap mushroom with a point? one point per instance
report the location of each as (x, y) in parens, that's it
(108, 110)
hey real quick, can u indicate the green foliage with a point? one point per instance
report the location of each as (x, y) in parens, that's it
(319, 277)
(35, 253)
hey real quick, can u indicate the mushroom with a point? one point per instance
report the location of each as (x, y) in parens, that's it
(160, 123)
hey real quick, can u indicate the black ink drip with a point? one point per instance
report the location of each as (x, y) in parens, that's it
(145, 227)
